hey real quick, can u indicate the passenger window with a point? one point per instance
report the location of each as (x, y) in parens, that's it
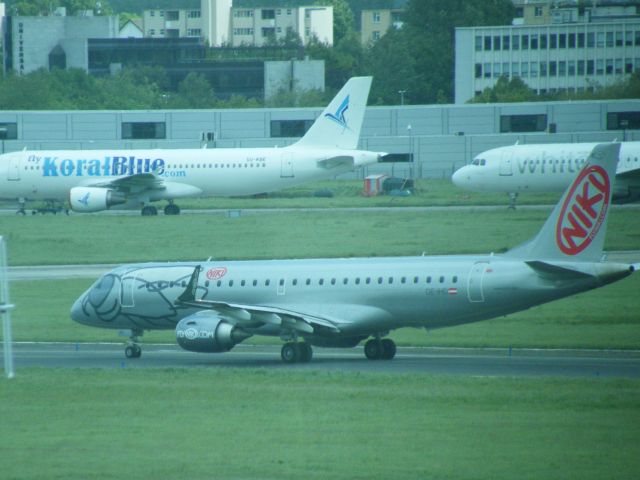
(416, 279)
(206, 284)
(345, 281)
(308, 282)
(455, 279)
(357, 280)
(368, 280)
(321, 281)
(441, 279)
(255, 283)
(219, 283)
(428, 279)
(390, 280)
(380, 280)
(231, 283)
(333, 281)
(403, 280)
(295, 281)
(267, 282)
(281, 282)
(242, 283)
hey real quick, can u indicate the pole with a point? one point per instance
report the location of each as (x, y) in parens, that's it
(5, 309)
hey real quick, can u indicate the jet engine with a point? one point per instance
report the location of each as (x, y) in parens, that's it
(206, 332)
(94, 199)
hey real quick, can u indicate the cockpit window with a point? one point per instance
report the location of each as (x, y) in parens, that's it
(479, 162)
(101, 289)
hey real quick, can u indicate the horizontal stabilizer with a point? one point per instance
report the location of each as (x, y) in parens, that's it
(550, 270)
(339, 161)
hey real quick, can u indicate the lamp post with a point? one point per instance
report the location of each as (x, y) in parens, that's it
(410, 131)
(402, 92)
(624, 123)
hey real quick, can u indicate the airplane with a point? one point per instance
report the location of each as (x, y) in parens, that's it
(95, 180)
(545, 168)
(214, 305)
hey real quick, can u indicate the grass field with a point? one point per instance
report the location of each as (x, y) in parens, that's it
(239, 424)
(41, 240)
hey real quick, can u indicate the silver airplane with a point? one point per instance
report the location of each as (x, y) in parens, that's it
(212, 306)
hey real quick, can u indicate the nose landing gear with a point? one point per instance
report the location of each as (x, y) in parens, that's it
(133, 349)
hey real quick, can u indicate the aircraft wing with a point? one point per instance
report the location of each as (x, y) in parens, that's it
(251, 315)
(132, 183)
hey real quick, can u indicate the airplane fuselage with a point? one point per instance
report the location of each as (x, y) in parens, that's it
(360, 296)
(545, 168)
(49, 175)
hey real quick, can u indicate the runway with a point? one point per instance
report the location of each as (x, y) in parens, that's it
(440, 361)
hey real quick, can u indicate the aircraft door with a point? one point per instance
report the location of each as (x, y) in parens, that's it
(282, 285)
(14, 167)
(127, 286)
(506, 167)
(474, 285)
(286, 168)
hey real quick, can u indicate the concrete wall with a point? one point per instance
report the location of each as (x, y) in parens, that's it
(441, 138)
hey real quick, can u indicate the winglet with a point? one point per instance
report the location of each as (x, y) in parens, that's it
(339, 124)
(576, 229)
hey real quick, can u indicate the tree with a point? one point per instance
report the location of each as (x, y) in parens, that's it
(194, 91)
(506, 91)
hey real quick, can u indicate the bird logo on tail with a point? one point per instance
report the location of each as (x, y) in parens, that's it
(338, 117)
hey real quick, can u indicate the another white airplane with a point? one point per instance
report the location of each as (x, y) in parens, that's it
(94, 180)
(214, 305)
(545, 168)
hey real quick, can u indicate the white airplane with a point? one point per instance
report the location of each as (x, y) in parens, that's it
(214, 305)
(94, 180)
(545, 168)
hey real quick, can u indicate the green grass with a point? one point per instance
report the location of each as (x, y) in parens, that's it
(244, 424)
(38, 240)
(602, 318)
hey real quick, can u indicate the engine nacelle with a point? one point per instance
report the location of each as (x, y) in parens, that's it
(94, 199)
(206, 332)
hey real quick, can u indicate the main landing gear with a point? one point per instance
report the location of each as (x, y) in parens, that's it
(294, 352)
(380, 349)
(150, 210)
(133, 349)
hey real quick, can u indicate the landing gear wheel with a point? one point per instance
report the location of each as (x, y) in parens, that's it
(149, 211)
(388, 349)
(133, 351)
(172, 209)
(373, 349)
(290, 352)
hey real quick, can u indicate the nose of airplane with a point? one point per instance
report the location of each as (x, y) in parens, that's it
(78, 313)
(460, 178)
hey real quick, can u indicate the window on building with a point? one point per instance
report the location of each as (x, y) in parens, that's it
(581, 40)
(543, 69)
(590, 67)
(562, 40)
(143, 130)
(591, 40)
(600, 67)
(515, 69)
(571, 68)
(572, 40)
(537, 11)
(562, 68)
(534, 41)
(544, 41)
(487, 70)
(478, 43)
(628, 38)
(496, 42)
(524, 69)
(487, 43)
(289, 128)
(609, 39)
(193, 14)
(172, 15)
(8, 131)
(515, 42)
(268, 14)
(523, 123)
(637, 38)
(496, 70)
(505, 68)
(609, 66)
(533, 70)
(600, 39)
(193, 32)
(623, 121)
(628, 66)
(581, 69)
(619, 39)
(553, 40)
(268, 32)
(375, 35)
(375, 16)
(505, 42)
(525, 42)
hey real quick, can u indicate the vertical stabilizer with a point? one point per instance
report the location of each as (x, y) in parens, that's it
(339, 124)
(576, 228)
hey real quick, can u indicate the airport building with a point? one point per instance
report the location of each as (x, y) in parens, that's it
(424, 141)
(557, 47)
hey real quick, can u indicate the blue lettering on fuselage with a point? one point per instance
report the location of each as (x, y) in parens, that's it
(109, 166)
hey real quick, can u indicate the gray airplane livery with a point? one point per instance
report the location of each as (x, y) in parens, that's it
(214, 305)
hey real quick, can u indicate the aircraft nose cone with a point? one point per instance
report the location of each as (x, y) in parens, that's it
(77, 312)
(459, 178)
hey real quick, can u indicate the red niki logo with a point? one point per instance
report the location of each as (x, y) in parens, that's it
(583, 210)
(216, 273)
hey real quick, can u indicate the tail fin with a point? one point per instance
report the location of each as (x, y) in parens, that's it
(576, 228)
(340, 123)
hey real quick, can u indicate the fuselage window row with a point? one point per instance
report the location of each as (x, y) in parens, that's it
(321, 281)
